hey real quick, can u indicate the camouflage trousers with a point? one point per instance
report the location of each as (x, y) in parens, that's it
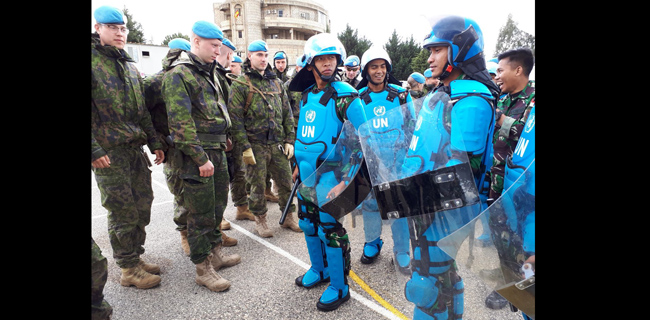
(127, 195)
(206, 199)
(269, 160)
(171, 168)
(100, 308)
(237, 172)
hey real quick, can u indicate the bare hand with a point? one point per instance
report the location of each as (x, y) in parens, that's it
(103, 162)
(295, 174)
(160, 156)
(207, 169)
(336, 190)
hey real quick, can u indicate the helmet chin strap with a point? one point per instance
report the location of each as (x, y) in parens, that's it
(322, 77)
(448, 69)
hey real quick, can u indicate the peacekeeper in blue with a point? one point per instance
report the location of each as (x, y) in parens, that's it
(198, 123)
(326, 104)
(379, 92)
(456, 46)
(351, 68)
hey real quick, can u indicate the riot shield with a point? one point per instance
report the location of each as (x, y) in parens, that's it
(340, 183)
(508, 266)
(423, 182)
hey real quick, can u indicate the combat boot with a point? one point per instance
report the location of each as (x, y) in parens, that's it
(207, 276)
(219, 260)
(139, 278)
(149, 267)
(268, 194)
(291, 223)
(184, 243)
(243, 213)
(228, 241)
(261, 227)
(225, 225)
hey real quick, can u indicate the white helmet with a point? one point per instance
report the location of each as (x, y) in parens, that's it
(375, 52)
(323, 44)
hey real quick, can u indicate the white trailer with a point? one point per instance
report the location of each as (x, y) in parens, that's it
(148, 57)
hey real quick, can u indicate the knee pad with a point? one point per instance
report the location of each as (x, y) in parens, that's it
(307, 226)
(421, 290)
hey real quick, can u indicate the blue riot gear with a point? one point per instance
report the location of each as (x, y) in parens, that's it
(464, 41)
(318, 45)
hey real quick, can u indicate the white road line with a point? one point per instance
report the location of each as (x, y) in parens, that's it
(368, 303)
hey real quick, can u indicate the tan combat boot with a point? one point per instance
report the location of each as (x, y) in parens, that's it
(268, 194)
(149, 267)
(261, 227)
(219, 260)
(184, 243)
(225, 225)
(226, 240)
(243, 213)
(206, 276)
(291, 223)
(137, 277)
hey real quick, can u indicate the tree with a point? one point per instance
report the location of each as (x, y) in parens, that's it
(136, 34)
(419, 63)
(401, 54)
(174, 36)
(511, 37)
(351, 42)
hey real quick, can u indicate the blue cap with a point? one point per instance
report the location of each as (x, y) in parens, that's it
(279, 55)
(257, 45)
(108, 14)
(352, 61)
(428, 73)
(236, 59)
(418, 77)
(179, 43)
(229, 44)
(207, 30)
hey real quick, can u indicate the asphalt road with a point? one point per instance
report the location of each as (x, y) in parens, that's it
(262, 285)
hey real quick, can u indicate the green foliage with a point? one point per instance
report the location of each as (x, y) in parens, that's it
(401, 54)
(136, 34)
(419, 63)
(351, 42)
(174, 36)
(511, 37)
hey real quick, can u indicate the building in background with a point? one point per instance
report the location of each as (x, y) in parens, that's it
(283, 24)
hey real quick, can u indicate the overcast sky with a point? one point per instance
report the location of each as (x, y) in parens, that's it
(374, 20)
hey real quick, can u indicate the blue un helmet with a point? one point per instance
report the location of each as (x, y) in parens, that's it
(318, 45)
(464, 39)
(301, 61)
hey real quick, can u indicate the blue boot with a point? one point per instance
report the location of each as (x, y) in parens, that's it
(371, 251)
(318, 271)
(338, 291)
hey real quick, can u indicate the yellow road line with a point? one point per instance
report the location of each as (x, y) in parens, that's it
(375, 296)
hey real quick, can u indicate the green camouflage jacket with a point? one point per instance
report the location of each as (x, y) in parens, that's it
(119, 116)
(196, 111)
(267, 119)
(516, 107)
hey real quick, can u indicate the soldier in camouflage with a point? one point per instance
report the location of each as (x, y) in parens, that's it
(416, 89)
(512, 110)
(100, 308)
(263, 127)
(120, 126)
(198, 122)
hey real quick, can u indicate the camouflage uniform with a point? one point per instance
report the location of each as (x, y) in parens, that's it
(294, 101)
(198, 122)
(264, 128)
(417, 102)
(353, 82)
(100, 308)
(156, 106)
(516, 107)
(120, 125)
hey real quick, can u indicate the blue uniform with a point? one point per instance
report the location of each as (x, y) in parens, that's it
(455, 124)
(322, 115)
(390, 131)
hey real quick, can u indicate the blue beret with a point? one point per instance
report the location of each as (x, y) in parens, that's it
(229, 44)
(179, 43)
(417, 77)
(257, 45)
(279, 55)
(427, 73)
(207, 30)
(108, 14)
(236, 59)
(352, 61)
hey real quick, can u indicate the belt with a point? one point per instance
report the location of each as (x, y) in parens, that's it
(209, 137)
